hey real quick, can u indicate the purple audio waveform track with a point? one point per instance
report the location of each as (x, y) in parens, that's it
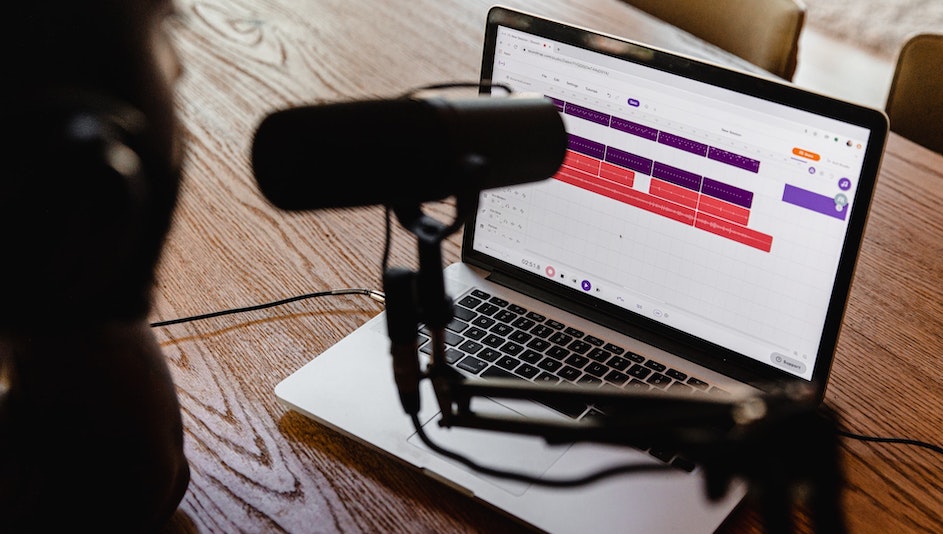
(662, 171)
(658, 136)
(586, 113)
(682, 143)
(628, 160)
(736, 160)
(734, 195)
(634, 128)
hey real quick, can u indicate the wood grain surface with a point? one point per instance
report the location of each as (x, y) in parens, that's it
(259, 468)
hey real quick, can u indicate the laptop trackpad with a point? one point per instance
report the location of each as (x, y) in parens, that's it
(499, 450)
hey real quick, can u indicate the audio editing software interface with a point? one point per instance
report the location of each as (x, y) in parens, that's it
(710, 211)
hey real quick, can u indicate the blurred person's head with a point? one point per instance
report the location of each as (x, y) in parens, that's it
(89, 174)
(90, 428)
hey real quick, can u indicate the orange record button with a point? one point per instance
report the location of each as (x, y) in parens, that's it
(806, 154)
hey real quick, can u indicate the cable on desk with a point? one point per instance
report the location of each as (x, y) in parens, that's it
(372, 293)
(902, 441)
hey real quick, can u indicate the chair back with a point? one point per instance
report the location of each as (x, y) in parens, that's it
(763, 32)
(915, 101)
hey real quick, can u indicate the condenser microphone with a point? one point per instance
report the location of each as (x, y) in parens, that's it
(405, 150)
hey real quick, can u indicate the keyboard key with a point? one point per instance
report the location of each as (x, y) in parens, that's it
(474, 333)
(493, 341)
(577, 361)
(560, 338)
(487, 309)
(530, 356)
(616, 377)
(502, 329)
(497, 372)
(570, 331)
(470, 347)
(518, 336)
(637, 385)
(569, 373)
(549, 364)
(615, 349)
(453, 355)
(557, 352)
(659, 380)
(507, 362)
(477, 293)
(483, 321)
(600, 355)
(697, 383)
(546, 378)
(579, 346)
(523, 323)
(456, 325)
(452, 339)
(498, 301)
(683, 464)
(618, 362)
(505, 316)
(596, 369)
(512, 348)
(469, 302)
(639, 372)
(652, 364)
(463, 313)
(677, 375)
(556, 325)
(489, 354)
(527, 371)
(663, 455)
(589, 380)
(541, 330)
(472, 364)
(520, 310)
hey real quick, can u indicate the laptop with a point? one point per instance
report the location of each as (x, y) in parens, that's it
(701, 236)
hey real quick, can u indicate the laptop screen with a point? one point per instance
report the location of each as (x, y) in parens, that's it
(708, 205)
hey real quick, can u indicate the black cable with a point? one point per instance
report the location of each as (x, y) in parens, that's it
(622, 469)
(372, 293)
(901, 441)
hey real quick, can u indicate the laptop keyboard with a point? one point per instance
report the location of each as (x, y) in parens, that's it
(491, 337)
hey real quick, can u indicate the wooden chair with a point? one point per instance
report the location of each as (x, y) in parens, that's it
(763, 32)
(915, 100)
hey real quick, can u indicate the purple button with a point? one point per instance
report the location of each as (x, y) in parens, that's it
(633, 102)
(586, 285)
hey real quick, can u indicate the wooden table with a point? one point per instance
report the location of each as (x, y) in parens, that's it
(259, 468)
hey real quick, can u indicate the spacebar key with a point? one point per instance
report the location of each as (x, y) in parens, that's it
(567, 408)
(497, 372)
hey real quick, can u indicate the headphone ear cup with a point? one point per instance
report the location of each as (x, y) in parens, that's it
(99, 158)
(74, 204)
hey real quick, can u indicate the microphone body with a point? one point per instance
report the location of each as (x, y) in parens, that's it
(404, 150)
